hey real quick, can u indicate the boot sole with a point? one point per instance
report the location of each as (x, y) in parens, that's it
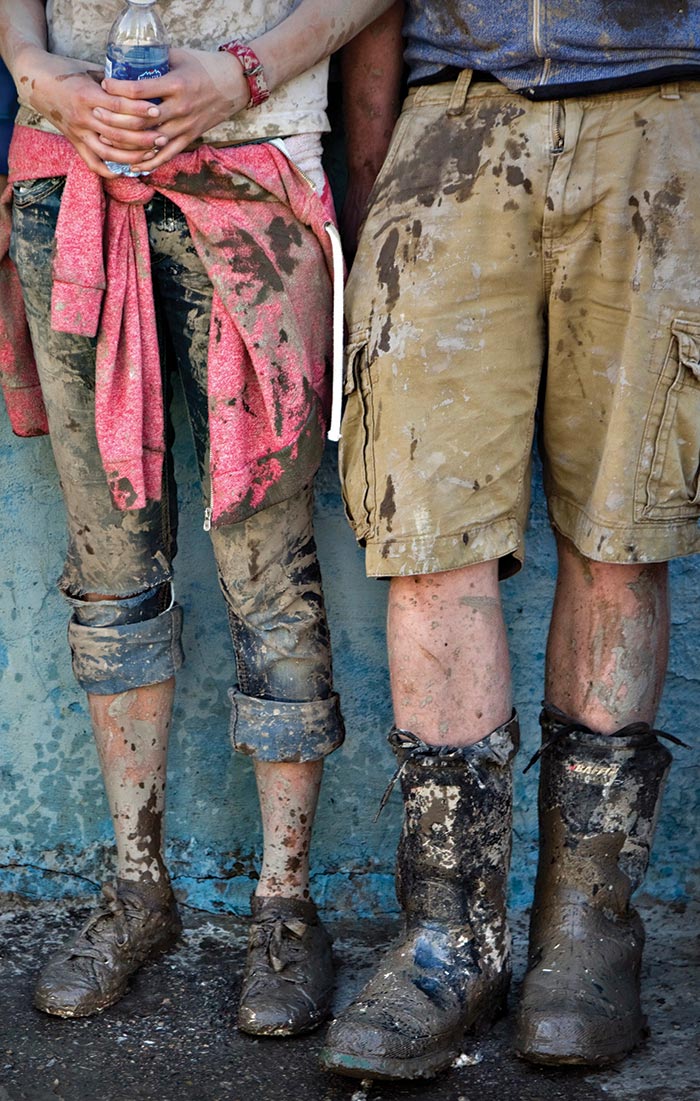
(387, 1069)
(98, 1005)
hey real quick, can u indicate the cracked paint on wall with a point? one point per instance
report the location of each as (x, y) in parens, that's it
(55, 833)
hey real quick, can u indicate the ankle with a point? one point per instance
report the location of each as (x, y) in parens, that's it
(155, 895)
(274, 888)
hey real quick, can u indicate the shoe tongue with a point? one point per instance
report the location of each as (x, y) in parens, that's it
(266, 907)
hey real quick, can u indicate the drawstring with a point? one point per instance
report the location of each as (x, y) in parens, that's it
(417, 745)
(565, 726)
(338, 287)
(338, 331)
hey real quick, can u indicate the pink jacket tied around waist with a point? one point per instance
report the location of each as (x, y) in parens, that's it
(270, 335)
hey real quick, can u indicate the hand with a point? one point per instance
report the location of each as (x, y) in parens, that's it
(68, 92)
(201, 90)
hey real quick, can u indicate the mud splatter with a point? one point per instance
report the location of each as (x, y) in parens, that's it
(656, 221)
(387, 509)
(516, 178)
(284, 235)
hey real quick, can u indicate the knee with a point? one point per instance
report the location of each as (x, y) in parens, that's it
(124, 642)
(423, 591)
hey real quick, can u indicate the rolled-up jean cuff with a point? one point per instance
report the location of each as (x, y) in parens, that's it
(269, 730)
(108, 660)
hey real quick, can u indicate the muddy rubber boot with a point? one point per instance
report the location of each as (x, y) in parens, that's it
(450, 971)
(599, 798)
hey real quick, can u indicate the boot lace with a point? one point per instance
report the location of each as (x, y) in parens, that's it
(108, 925)
(413, 748)
(565, 725)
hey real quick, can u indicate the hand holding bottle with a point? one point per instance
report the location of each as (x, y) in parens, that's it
(67, 92)
(201, 90)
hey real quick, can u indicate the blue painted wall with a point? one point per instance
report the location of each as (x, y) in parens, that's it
(55, 836)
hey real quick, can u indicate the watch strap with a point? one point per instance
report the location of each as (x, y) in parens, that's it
(252, 71)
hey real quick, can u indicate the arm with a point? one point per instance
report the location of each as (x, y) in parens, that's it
(372, 65)
(63, 90)
(205, 88)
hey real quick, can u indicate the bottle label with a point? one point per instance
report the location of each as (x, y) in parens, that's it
(137, 64)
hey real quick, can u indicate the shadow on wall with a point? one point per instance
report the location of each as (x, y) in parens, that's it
(55, 835)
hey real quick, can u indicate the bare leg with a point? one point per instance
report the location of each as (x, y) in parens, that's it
(448, 655)
(140, 921)
(288, 797)
(131, 731)
(608, 641)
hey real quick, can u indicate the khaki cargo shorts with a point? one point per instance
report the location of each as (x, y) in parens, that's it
(521, 256)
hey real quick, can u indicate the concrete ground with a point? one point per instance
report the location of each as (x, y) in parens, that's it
(173, 1037)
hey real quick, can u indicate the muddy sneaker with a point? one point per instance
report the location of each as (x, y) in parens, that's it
(92, 971)
(288, 976)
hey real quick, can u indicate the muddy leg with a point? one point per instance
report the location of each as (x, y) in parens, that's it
(288, 796)
(448, 655)
(608, 641)
(139, 921)
(131, 731)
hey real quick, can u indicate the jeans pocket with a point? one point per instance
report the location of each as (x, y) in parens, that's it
(26, 193)
(357, 437)
(668, 474)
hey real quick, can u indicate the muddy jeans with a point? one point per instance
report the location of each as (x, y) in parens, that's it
(284, 708)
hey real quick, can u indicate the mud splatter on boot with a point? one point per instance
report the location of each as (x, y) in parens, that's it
(599, 798)
(451, 969)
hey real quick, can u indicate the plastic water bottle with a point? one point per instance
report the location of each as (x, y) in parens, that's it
(137, 49)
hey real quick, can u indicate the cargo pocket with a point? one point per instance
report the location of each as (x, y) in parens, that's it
(357, 437)
(668, 476)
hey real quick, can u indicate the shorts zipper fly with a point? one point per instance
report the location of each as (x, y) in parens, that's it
(558, 126)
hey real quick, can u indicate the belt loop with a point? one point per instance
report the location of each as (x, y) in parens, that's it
(671, 90)
(458, 99)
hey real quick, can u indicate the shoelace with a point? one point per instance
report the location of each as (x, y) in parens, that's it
(114, 908)
(277, 937)
(418, 749)
(567, 726)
